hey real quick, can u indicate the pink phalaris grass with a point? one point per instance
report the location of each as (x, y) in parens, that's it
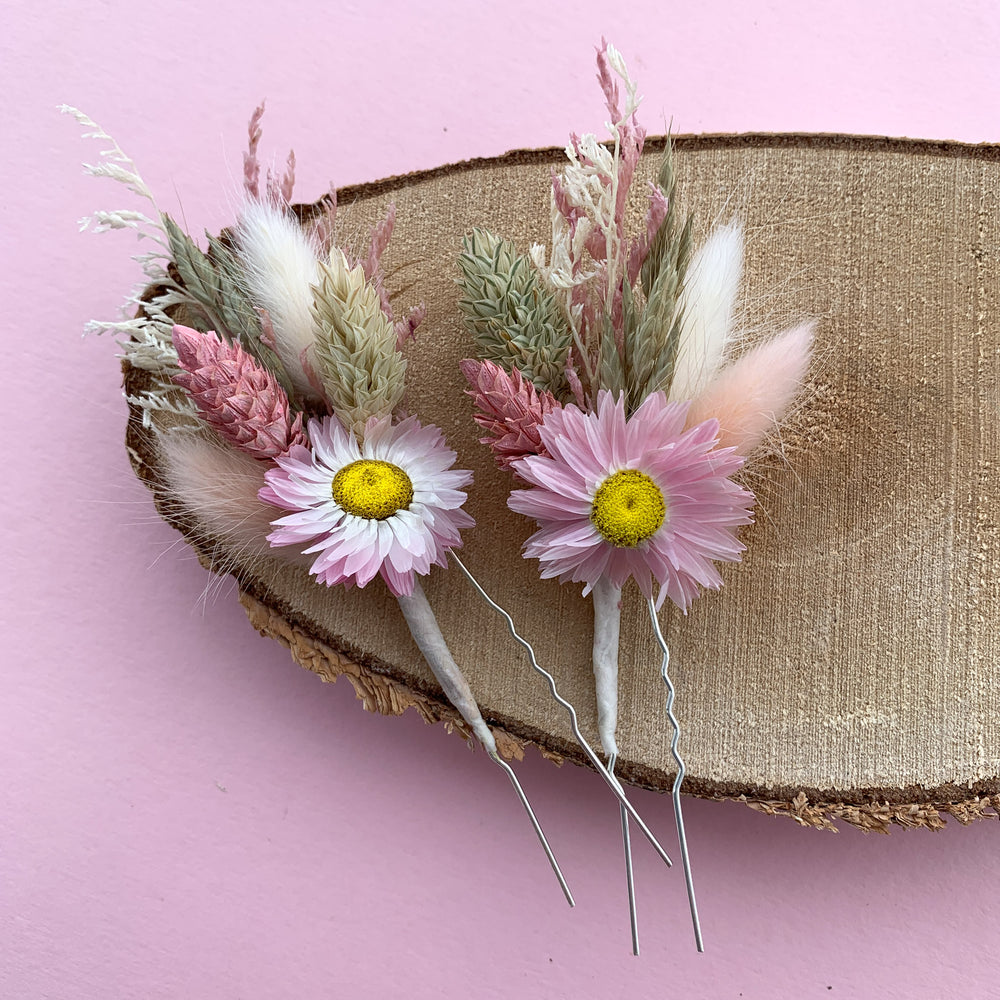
(511, 410)
(241, 400)
(749, 397)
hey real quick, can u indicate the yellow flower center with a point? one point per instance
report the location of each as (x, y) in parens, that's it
(628, 508)
(372, 489)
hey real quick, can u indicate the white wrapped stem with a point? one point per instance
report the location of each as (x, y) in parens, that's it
(607, 600)
(427, 635)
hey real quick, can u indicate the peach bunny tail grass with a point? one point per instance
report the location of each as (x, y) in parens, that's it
(750, 396)
(218, 485)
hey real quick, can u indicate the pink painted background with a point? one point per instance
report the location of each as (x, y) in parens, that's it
(184, 812)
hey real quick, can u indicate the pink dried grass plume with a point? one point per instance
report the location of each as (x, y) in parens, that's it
(241, 400)
(602, 294)
(378, 241)
(277, 190)
(251, 165)
(371, 265)
(323, 227)
(656, 213)
(564, 206)
(750, 396)
(511, 410)
(632, 135)
(406, 329)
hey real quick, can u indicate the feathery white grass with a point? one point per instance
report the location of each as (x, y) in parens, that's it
(707, 301)
(282, 265)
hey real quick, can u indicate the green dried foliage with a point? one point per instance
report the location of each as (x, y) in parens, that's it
(610, 367)
(212, 283)
(667, 182)
(361, 369)
(514, 320)
(651, 344)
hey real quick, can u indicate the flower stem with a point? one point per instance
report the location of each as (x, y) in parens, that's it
(607, 598)
(427, 635)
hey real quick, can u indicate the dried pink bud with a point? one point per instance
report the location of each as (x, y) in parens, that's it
(511, 410)
(239, 398)
(406, 329)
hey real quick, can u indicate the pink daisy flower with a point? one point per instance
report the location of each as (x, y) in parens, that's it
(389, 505)
(641, 497)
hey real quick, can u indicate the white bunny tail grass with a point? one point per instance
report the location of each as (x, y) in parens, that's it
(217, 486)
(707, 302)
(281, 261)
(750, 396)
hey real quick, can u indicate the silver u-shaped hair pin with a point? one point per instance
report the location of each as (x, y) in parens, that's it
(679, 779)
(603, 771)
(509, 771)
(629, 873)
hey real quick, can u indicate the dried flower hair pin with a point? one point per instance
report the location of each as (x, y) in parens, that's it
(276, 404)
(605, 383)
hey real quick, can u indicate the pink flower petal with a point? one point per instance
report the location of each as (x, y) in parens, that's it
(703, 506)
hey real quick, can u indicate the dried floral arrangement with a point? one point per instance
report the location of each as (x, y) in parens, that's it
(278, 381)
(616, 385)
(277, 405)
(609, 383)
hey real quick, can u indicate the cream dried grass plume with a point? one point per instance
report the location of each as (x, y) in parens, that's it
(706, 307)
(281, 265)
(358, 363)
(207, 479)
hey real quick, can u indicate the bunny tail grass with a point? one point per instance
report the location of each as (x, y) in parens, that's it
(752, 394)
(282, 265)
(706, 305)
(218, 485)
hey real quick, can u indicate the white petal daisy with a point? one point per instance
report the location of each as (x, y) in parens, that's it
(390, 505)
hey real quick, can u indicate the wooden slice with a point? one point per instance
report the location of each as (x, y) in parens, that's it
(850, 667)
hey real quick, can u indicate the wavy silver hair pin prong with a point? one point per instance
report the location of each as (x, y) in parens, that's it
(427, 635)
(504, 766)
(629, 874)
(676, 791)
(610, 779)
